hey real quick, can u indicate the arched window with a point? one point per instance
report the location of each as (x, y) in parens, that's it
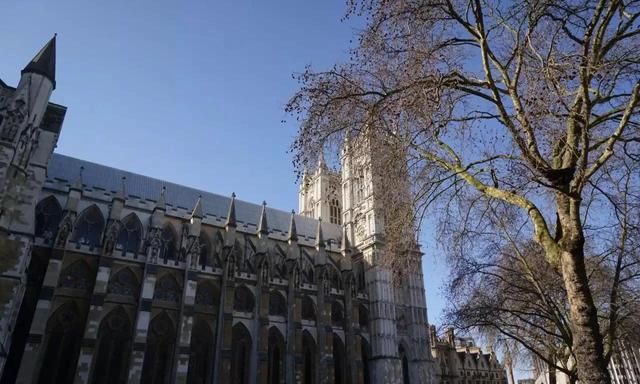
(308, 309)
(360, 278)
(337, 314)
(48, 216)
(309, 358)
(130, 234)
(334, 275)
(167, 289)
(205, 259)
(275, 356)
(339, 372)
(335, 213)
(63, 338)
(78, 275)
(89, 227)
(363, 317)
(112, 358)
(277, 304)
(307, 270)
(158, 356)
(208, 294)
(168, 246)
(405, 365)
(365, 350)
(124, 283)
(201, 354)
(243, 299)
(240, 354)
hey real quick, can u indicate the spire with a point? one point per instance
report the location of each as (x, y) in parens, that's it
(345, 246)
(319, 236)
(78, 185)
(322, 164)
(293, 233)
(44, 63)
(263, 227)
(162, 202)
(197, 210)
(231, 216)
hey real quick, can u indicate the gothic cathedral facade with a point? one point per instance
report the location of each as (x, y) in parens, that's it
(107, 276)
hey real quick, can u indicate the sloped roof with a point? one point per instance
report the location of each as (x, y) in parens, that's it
(65, 170)
(44, 63)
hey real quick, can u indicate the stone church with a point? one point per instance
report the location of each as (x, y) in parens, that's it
(107, 276)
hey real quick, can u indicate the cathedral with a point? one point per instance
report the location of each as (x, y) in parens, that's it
(107, 276)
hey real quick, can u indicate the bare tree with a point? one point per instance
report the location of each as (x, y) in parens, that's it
(529, 105)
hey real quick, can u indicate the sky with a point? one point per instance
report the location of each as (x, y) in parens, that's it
(191, 92)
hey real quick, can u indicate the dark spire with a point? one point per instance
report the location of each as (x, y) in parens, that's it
(197, 210)
(44, 63)
(263, 227)
(345, 246)
(231, 216)
(162, 202)
(293, 233)
(322, 164)
(319, 236)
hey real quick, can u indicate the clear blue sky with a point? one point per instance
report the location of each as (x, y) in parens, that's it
(187, 91)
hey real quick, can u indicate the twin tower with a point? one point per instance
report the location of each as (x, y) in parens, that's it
(112, 277)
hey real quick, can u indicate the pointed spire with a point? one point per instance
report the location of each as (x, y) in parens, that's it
(319, 236)
(121, 192)
(322, 164)
(263, 227)
(345, 246)
(231, 216)
(197, 210)
(78, 185)
(293, 233)
(44, 63)
(162, 202)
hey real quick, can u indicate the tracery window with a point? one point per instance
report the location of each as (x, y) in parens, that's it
(335, 213)
(359, 185)
(275, 355)
(308, 309)
(168, 244)
(130, 234)
(207, 294)
(77, 276)
(243, 299)
(158, 356)
(205, 259)
(89, 227)
(63, 337)
(125, 283)
(167, 289)
(112, 358)
(309, 360)
(48, 216)
(339, 371)
(277, 304)
(240, 354)
(201, 354)
(337, 314)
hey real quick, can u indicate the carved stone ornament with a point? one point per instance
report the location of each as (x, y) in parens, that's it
(193, 250)
(13, 118)
(66, 226)
(155, 242)
(110, 237)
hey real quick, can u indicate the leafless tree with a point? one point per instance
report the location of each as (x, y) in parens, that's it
(528, 105)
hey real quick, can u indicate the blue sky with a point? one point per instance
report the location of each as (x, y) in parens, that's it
(188, 91)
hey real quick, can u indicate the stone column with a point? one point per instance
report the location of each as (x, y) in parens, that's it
(324, 364)
(262, 334)
(352, 343)
(225, 326)
(186, 325)
(292, 367)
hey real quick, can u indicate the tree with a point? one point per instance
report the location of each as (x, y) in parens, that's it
(528, 105)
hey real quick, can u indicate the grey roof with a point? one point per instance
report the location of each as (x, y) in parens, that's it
(44, 63)
(65, 170)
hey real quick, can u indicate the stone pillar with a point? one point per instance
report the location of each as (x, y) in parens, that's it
(142, 323)
(225, 326)
(294, 328)
(186, 325)
(324, 363)
(297, 340)
(86, 359)
(262, 334)
(352, 343)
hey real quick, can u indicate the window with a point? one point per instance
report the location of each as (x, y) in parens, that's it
(243, 300)
(88, 228)
(309, 352)
(363, 317)
(275, 356)
(201, 354)
(112, 358)
(77, 276)
(335, 213)
(158, 356)
(167, 289)
(48, 216)
(308, 309)
(405, 365)
(338, 361)
(240, 354)
(277, 304)
(124, 283)
(359, 186)
(168, 247)
(337, 314)
(130, 234)
(207, 294)
(63, 338)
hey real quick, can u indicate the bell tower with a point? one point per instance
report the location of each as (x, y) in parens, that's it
(400, 349)
(320, 194)
(29, 129)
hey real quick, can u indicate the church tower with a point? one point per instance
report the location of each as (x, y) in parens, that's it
(400, 350)
(320, 194)
(29, 129)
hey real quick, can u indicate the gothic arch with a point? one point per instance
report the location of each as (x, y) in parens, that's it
(275, 353)
(306, 269)
(205, 256)
(243, 300)
(334, 277)
(365, 351)
(167, 289)
(308, 308)
(278, 257)
(277, 304)
(308, 358)
(339, 366)
(124, 282)
(363, 317)
(404, 361)
(201, 353)
(48, 216)
(169, 243)
(240, 354)
(158, 357)
(78, 275)
(88, 227)
(63, 337)
(130, 234)
(207, 293)
(337, 314)
(112, 356)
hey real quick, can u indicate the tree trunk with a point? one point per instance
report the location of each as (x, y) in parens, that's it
(587, 340)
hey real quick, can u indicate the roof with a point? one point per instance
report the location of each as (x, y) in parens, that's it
(65, 170)
(44, 63)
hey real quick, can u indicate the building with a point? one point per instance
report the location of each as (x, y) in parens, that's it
(113, 277)
(460, 361)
